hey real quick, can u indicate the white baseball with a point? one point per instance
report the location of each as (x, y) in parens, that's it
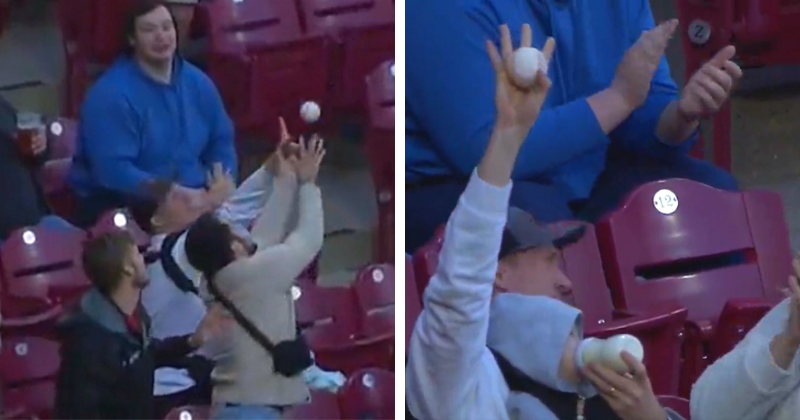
(310, 111)
(616, 345)
(592, 351)
(527, 61)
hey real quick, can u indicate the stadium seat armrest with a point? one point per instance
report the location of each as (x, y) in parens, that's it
(29, 321)
(639, 322)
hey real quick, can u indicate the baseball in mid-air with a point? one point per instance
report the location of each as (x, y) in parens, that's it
(310, 111)
(607, 352)
(527, 61)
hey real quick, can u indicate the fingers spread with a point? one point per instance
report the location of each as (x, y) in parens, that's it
(527, 36)
(549, 48)
(494, 55)
(506, 48)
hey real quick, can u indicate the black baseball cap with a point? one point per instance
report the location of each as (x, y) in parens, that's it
(522, 233)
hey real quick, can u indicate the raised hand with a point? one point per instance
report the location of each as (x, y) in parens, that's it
(280, 162)
(518, 104)
(311, 154)
(639, 64)
(630, 395)
(220, 185)
(793, 326)
(710, 86)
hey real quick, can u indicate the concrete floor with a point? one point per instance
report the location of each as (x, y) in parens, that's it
(32, 43)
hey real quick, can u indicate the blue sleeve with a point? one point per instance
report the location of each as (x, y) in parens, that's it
(450, 92)
(221, 146)
(110, 136)
(638, 132)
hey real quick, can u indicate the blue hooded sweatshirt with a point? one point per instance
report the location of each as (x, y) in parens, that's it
(450, 87)
(134, 129)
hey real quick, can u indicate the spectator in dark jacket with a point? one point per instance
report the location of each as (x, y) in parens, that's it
(28, 207)
(108, 358)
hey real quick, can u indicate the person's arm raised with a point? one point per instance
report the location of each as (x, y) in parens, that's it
(450, 337)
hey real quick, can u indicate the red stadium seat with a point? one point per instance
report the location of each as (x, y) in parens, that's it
(263, 64)
(62, 136)
(91, 32)
(363, 35)
(658, 329)
(29, 367)
(35, 400)
(323, 406)
(41, 270)
(676, 404)
(120, 219)
(738, 317)
(379, 144)
(52, 177)
(413, 304)
(368, 394)
(374, 288)
(654, 243)
(189, 412)
(328, 317)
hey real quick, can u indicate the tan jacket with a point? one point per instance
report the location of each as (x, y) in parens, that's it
(260, 287)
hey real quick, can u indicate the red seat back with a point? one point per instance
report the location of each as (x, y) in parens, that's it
(323, 406)
(34, 400)
(413, 304)
(41, 269)
(241, 26)
(28, 368)
(62, 134)
(52, 177)
(189, 412)
(328, 315)
(583, 266)
(120, 219)
(702, 222)
(28, 359)
(767, 221)
(368, 394)
(333, 17)
(374, 290)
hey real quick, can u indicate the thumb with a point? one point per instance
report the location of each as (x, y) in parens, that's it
(722, 56)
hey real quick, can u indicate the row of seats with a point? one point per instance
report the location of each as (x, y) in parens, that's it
(266, 56)
(686, 268)
(367, 394)
(348, 328)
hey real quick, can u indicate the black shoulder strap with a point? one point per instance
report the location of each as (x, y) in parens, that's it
(563, 404)
(174, 272)
(240, 319)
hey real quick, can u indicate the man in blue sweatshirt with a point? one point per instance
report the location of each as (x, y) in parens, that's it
(614, 119)
(152, 115)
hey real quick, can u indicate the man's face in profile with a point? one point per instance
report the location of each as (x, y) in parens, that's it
(535, 272)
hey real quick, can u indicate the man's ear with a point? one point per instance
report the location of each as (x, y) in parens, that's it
(501, 276)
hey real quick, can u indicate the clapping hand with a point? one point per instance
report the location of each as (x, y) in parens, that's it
(518, 104)
(311, 154)
(710, 86)
(629, 395)
(220, 185)
(639, 64)
(793, 326)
